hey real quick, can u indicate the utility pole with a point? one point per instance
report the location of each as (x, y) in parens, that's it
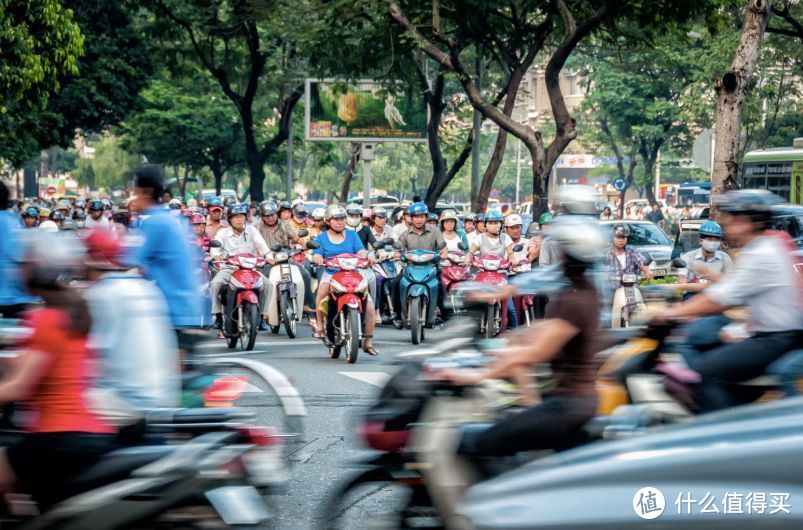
(475, 144)
(288, 179)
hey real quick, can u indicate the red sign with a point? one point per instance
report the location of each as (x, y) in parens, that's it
(51, 190)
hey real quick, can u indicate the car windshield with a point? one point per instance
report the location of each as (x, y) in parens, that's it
(642, 235)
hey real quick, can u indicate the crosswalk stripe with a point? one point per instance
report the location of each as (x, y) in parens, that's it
(372, 378)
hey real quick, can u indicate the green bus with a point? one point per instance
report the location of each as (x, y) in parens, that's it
(779, 170)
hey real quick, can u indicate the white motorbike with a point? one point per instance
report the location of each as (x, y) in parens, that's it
(286, 299)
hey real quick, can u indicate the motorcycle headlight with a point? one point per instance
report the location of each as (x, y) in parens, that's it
(490, 264)
(418, 258)
(248, 263)
(628, 278)
(335, 287)
(280, 256)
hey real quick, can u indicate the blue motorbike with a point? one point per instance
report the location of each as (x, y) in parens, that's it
(419, 289)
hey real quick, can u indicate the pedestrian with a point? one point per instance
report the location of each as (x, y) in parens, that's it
(655, 215)
(13, 296)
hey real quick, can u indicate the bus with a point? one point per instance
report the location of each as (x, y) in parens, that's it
(779, 170)
(694, 193)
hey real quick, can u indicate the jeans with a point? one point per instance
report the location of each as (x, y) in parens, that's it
(512, 319)
(722, 367)
(788, 369)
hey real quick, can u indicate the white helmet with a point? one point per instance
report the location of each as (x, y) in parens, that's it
(448, 214)
(334, 211)
(318, 214)
(580, 237)
(513, 219)
(578, 199)
(48, 226)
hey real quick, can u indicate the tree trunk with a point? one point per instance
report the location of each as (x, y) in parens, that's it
(182, 184)
(731, 90)
(217, 173)
(355, 156)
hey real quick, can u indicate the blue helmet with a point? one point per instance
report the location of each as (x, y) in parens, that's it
(710, 228)
(418, 208)
(494, 216)
(215, 202)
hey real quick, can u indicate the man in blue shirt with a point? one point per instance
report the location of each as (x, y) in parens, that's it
(165, 255)
(13, 298)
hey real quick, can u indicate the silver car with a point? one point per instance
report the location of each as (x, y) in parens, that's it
(651, 241)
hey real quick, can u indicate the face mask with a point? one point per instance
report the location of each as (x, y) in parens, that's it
(711, 246)
(353, 221)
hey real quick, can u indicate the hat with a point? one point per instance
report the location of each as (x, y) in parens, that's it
(102, 250)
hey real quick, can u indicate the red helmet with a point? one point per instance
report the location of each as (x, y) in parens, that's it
(102, 250)
(197, 219)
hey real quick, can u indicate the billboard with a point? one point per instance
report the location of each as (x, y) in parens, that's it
(364, 111)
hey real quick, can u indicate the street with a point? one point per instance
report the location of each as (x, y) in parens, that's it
(335, 393)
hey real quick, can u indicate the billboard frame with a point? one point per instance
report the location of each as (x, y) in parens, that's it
(354, 139)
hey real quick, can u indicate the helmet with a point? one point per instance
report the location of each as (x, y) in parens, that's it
(268, 208)
(107, 204)
(53, 259)
(44, 213)
(102, 250)
(197, 219)
(545, 218)
(80, 203)
(64, 204)
(379, 212)
(621, 230)
(579, 199)
(300, 210)
(215, 203)
(30, 211)
(285, 205)
(579, 237)
(480, 218)
(470, 217)
(418, 208)
(48, 226)
(95, 205)
(192, 204)
(174, 204)
(432, 216)
(229, 201)
(318, 214)
(57, 216)
(448, 214)
(757, 204)
(296, 202)
(236, 209)
(354, 209)
(513, 219)
(494, 216)
(334, 211)
(79, 215)
(68, 224)
(711, 229)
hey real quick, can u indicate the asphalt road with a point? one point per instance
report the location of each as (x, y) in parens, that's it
(335, 393)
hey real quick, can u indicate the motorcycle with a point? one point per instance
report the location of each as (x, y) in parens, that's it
(385, 269)
(492, 270)
(344, 306)
(628, 299)
(241, 315)
(286, 299)
(453, 271)
(418, 290)
(524, 304)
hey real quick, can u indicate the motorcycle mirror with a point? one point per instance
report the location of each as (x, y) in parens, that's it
(215, 244)
(385, 242)
(303, 233)
(678, 263)
(312, 245)
(276, 247)
(397, 245)
(461, 246)
(518, 248)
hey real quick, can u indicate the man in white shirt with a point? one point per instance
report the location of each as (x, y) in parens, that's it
(133, 335)
(513, 228)
(405, 225)
(96, 218)
(238, 238)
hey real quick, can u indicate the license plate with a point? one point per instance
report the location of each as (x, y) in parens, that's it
(265, 466)
(658, 272)
(238, 505)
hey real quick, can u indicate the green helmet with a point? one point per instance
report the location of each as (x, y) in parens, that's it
(545, 218)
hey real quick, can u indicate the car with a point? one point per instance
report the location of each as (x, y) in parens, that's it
(386, 201)
(313, 205)
(224, 194)
(651, 241)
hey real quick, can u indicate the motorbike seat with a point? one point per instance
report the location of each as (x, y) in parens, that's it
(112, 467)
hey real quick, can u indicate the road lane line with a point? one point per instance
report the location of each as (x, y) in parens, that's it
(372, 378)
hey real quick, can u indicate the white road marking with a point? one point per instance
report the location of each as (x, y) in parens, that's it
(232, 353)
(372, 378)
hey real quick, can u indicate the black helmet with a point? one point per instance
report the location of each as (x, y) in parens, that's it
(757, 204)
(79, 215)
(621, 230)
(57, 216)
(285, 205)
(229, 201)
(268, 208)
(95, 205)
(236, 209)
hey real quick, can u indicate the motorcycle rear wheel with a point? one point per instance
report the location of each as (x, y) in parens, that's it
(288, 313)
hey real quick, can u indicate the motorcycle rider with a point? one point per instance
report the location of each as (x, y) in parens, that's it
(317, 222)
(238, 238)
(624, 258)
(58, 218)
(215, 221)
(79, 216)
(276, 232)
(285, 211)
(354, 222)
(513, 228)
(420, 236)
(448, 222)
(379, 225)
(763, 279)
(30, 217)
(432, 219)
(132, 333)
(468, 224)
(406, 224)
(566, 339)
(706, 263)
(337, 240)
(13, 297)
(299, 220)
(96, 218)
(199, 231)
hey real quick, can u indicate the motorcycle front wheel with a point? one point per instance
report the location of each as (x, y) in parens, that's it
(288, 311)
(490, 321)
(248, 337)
(353, 337)
(417, 310)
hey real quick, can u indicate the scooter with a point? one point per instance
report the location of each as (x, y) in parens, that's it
(418, 291)
(344, 306)
(492, 270)
(385, 269)
(524, 304)
(241, 315)
(453, 271)
(285, 301)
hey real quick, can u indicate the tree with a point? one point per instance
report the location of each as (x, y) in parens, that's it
(252, 51)
(111, 167)
(787, 19)
(731, 91)
(177, 127)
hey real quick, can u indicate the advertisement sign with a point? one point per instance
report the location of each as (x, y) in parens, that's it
(364, 111)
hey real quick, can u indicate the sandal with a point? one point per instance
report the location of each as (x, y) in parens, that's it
(317, 333)
(370, 350)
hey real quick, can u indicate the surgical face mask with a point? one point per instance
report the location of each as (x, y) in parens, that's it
(711, 245)
(353, 221)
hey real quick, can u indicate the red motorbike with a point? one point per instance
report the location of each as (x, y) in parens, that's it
(492, 270)
(241, 315)
(454, 269)
(525, 305)
(348, 294)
